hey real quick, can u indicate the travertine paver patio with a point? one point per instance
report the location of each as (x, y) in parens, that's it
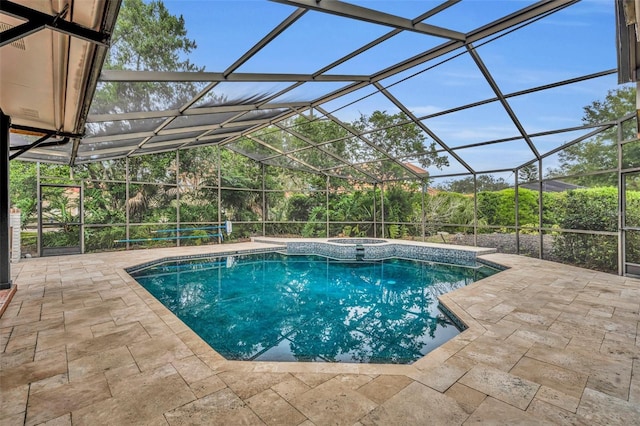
(82, 343)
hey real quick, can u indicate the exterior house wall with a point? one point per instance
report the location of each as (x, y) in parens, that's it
(14, 223)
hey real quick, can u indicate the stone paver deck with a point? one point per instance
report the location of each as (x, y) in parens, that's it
(82, 343)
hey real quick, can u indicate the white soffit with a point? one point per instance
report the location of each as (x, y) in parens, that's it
(44, 76)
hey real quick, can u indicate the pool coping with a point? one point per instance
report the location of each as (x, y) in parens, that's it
(472, 327)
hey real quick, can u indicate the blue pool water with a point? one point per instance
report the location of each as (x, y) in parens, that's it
(274, 307)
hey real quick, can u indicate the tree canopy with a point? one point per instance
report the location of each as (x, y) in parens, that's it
(400, 140)
(162, 46)
(147, 37)
(600, 152)
(465, 185)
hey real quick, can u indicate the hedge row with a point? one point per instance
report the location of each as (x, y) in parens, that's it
(588, 209)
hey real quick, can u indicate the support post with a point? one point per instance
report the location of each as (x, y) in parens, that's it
(178, 226)
(39, 207)
(375, 213)
(264, 202)
(540, 209)
(127, 191)
(382, 206)
(517, 218)
(5, 266)
(475, 210)
(326, 210)
(424, 189)
(219, 185)
(81, 216)
(622, 255)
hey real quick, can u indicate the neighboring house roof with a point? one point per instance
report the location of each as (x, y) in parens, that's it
(433, 191)
(416, 169)
(551, 186)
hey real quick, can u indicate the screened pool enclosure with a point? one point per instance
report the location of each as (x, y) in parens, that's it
(457, 122)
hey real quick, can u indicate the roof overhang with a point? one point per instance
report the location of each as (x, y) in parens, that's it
(51, 54)
(628, 40)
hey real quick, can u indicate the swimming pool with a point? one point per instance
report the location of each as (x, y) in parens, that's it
(278, 307)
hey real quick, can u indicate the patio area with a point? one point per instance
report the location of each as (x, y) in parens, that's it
(83, 343)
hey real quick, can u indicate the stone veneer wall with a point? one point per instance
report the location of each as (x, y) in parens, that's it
(14, 223)
(382, 251)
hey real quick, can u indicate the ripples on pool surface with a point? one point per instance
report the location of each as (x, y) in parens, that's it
(274, 307)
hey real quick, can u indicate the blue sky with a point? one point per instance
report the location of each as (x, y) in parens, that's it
(573, 42)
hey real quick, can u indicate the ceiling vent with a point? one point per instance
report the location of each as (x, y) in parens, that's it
(18, 43)
(29, 113)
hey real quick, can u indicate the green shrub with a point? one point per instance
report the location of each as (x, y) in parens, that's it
(398, 205)
(353, 231)
(592, 209)
(102, 239)
(599, 252)
(551, 207)
(446, 207)
(204, 237)
(316, 226)
(498, 207)
(299, 207)
(28, 242)
(64, 237)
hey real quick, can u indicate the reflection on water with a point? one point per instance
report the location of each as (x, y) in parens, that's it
(274, 307)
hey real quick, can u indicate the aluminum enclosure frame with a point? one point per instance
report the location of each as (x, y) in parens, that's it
(226, 123)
